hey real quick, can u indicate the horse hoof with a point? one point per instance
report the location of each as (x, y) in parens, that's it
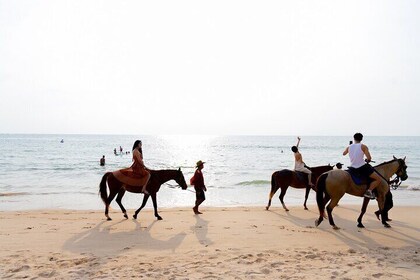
(125, 216)
(377, 213)
(336, 227)
(159, 218)
(109, 219)
(135, 217)
(266, 208)
(360, 225)
(387, 225)
(287, 210)
(306, 208)
(317, 222)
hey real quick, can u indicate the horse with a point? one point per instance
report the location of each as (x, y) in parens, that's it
(284, 178)
(332, 185)
(157, 178)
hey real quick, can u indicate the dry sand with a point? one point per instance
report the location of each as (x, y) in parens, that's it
(223, 243)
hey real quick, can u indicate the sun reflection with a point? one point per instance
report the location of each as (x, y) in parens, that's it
(188, 149)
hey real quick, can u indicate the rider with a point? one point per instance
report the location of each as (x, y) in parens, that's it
(300, 165)
(356, 152)
(138, 164)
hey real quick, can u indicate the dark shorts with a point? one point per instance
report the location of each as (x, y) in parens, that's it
(199, 195)
(365, 170)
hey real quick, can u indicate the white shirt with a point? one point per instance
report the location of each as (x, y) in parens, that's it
(356, 155)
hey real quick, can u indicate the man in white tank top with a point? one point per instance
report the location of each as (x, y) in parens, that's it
(357, 152)
(300, 165)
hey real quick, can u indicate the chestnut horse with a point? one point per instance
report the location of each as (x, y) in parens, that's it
(284, 178)
(157, 178)
(333, 184)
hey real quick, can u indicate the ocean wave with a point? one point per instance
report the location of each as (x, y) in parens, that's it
(253, 182)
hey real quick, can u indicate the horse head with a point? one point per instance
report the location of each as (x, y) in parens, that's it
(180, 179)
(402, 168)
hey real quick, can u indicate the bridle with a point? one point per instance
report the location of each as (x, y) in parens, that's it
(396, 182)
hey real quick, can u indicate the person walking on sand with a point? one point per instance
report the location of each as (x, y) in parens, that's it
(102, 161)
(198, 182)
(300, 165)
(357, 151)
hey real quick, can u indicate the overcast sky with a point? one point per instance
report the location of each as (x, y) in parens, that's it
(210, 67)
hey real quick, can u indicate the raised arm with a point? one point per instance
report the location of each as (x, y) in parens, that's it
(297, 144)
(346, 151)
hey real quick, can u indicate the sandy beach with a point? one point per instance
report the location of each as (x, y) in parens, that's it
(222, 243)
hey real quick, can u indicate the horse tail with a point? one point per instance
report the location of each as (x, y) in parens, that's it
(321, 187)
(102, 187)
(274, 187)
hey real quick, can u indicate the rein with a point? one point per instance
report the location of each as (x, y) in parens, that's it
(393, 182)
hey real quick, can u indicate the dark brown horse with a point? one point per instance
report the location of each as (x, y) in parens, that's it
(333, 184)
(284, 178)
(157, 178)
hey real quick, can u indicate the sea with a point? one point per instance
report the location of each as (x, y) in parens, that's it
(44, 171)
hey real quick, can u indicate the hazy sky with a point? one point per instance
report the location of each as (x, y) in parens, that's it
(210, 67)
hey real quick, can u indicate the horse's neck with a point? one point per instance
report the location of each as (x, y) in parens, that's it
(318, 170)
(165, 175)
(388, 169)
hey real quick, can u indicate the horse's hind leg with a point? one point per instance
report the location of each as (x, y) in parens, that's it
(118, 200)
(308, 189)
(108, 202)
(362, 212)
(155, 206)
(282, 194)
(145, 198)
(330, 208)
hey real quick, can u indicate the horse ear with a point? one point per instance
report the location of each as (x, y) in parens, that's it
(394, 157)
(179, 169)
(404, 158)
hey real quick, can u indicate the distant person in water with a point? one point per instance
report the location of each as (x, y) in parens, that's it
(102, 161)
(300, 165)
(357, 153)
(121, 150)
(198, 182)
(115, 151)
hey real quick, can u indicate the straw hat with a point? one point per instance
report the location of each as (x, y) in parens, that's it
(200, 163)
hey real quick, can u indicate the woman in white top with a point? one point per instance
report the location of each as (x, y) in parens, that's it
(300, 165)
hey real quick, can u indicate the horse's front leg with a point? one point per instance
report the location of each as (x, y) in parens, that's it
(145, 198)
(155, 206)
(362, 212)
(381, 204)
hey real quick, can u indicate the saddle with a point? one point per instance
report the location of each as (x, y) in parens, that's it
(302, 176)
(358, 178)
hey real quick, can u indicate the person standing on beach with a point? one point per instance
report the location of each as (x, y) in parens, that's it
(102, 161)
(357, 151)
(300, 165)
(198, 182)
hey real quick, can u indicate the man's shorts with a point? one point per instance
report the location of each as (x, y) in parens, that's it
(365, 170)
(199, 195)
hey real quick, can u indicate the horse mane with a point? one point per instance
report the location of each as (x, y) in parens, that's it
(386, 162)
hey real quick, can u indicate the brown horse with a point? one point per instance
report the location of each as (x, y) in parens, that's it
(333, 184)
(284, 178)
(157, 178)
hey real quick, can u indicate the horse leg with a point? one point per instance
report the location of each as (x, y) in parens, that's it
(381, 204)
(362, 212)
(111, 196)
(155, 206)
(308, 189)
(118, 199)
(282, 194)
(330, 208)
(145, 198)
(272, 192)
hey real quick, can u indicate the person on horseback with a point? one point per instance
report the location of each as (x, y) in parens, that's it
(300, 165)
(357, 151)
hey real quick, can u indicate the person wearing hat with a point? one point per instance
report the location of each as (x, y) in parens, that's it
(198, 182)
